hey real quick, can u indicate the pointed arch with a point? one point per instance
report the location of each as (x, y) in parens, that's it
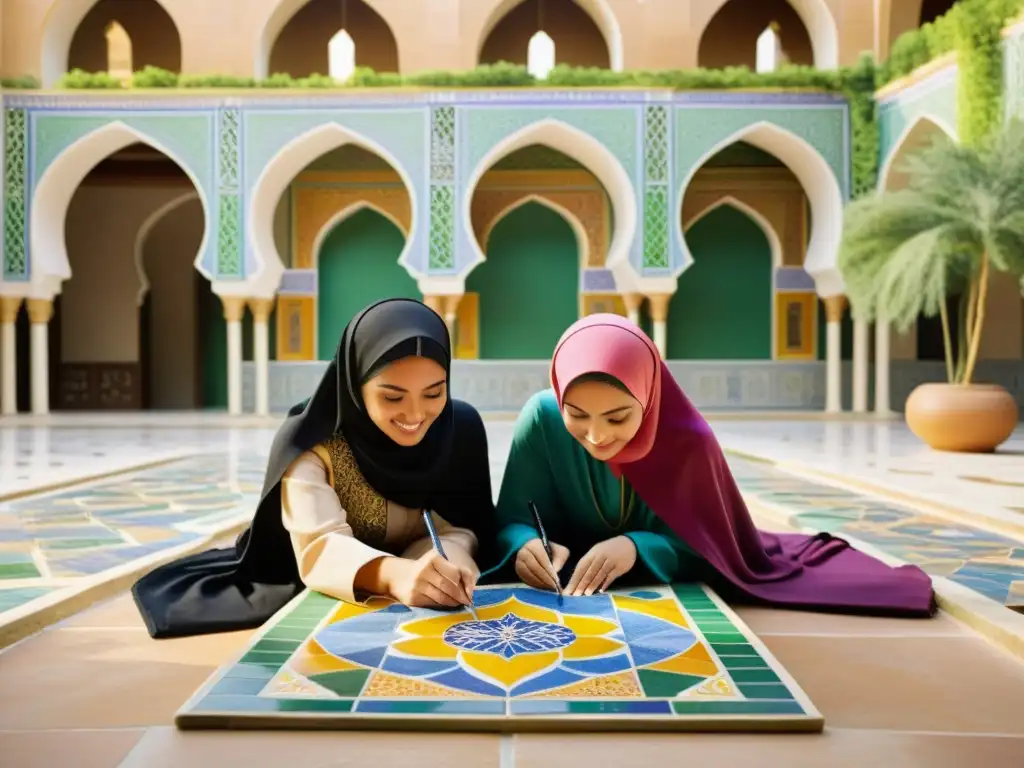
(774, 241)
(60, 181)
(818, 21)
(59, 27)
(571, 219)
(598, 10)
(915, 134)
(282, 169)
(283, 12)
(347, 212)
(588, 152)
(819, 183)
(139, 249)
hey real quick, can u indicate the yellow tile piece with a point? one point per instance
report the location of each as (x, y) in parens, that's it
(520, 609)
(508, 672)
(587, 626)
(351, 610)
(426, 648)
(591, 647)
(621, 685)
(695, 661)
(717, 687)
(384, 685)
(436, 626)
(667, 610)
(311, 659)
(293, 685)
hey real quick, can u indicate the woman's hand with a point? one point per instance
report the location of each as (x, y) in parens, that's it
(603, 564)
(429, 581)
(534, 568)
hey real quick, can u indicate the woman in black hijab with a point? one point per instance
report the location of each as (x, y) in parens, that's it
(349, 472)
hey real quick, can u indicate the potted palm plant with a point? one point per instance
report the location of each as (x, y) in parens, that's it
(903, 253)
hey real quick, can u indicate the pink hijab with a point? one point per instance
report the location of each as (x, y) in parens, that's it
(610, 344)
(675, 464)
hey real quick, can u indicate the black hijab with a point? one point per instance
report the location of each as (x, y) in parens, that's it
(448, 471)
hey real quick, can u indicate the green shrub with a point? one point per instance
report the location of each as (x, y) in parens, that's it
(80, 79)
(25, 82)
(155, 77)
(215, 81)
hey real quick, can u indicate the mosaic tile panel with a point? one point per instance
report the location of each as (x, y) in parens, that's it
(988, 563)
(672, 658)
(15, 264)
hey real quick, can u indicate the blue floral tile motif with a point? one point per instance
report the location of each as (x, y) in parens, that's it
(509, 636)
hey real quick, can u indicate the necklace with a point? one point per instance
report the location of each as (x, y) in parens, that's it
(625, 509)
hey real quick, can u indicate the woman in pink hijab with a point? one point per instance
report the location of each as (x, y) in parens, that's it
(630, 482)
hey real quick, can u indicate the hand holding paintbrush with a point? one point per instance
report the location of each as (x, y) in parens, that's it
(428, 521)
(550, 567)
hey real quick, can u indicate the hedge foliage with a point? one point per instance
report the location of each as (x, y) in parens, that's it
(954, 31)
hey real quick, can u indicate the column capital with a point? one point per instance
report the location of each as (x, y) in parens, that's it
(234, 308)
(632, 301)
(39, 310)
(659, 306)
(835, 307)
(261, 309)
(9, 306)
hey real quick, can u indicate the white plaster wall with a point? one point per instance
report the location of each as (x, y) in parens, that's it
(99, 304)
(167, 257)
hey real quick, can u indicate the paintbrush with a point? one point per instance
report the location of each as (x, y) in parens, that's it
(547, 544)
(436, 541)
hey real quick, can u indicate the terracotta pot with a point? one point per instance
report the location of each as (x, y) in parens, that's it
(974, 418)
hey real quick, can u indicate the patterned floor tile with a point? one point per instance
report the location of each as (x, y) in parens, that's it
(987, 563)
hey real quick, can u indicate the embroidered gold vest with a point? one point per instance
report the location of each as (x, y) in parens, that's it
(366, 511)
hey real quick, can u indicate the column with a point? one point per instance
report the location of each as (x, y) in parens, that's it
(882, 407)
(261, 309)
(659, 314)
(234, 308)
(9, 306)
(451, 318)
(633, 301)
(860, 366)
(39, 313)
(834, 308)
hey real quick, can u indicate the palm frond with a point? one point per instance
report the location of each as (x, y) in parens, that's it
(903, 252)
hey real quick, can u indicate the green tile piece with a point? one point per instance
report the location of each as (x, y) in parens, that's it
(765, 691)
(725, 637)
(19, 571)
(737, 708)
(754, 676)
(744, 662)
(281, 632)
(261, 704)
(279, 646)
(349, 682)
(734, 649)
(270, 660)
(253, 671)
(244, 686)
(659, 685)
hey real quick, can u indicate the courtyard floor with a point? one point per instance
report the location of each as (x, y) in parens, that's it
(87, 503)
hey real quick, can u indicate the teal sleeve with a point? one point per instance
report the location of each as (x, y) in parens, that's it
(665, 556)
(528, 477)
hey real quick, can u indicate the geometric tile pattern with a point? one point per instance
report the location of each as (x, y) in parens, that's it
(674, 657)
(51, 540)
(988, 563)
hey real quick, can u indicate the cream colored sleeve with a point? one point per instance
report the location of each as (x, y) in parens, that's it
(459, 544)
(328, 554)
